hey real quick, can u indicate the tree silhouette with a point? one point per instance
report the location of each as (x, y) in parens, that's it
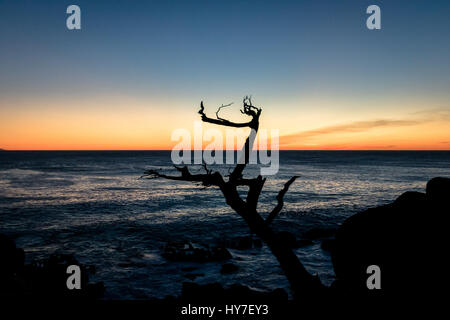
(302, 283)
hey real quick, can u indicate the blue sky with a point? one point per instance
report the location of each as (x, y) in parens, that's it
(177, 52)
(196, 46)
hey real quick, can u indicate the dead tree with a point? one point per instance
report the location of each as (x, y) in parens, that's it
(302, 283)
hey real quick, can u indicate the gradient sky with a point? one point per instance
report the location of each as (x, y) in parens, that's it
(138, 70)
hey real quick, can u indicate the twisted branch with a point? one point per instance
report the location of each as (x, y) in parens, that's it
(280, 199)
(207, 179)
(218, 110)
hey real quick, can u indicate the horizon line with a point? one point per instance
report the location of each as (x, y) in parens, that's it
(73, 150)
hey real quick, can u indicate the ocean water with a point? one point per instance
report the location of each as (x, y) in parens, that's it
(94, 205)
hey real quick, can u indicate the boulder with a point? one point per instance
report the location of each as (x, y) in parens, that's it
(188, 251)
(404, 238)
(12, 259)
(287, 239)
(410, 198)
(327, 244)
(304, 243)
(193, 276)
(214, 292)
(241, 243)
(228, 268)
(45, 278)
(438, 190)
(319, 233)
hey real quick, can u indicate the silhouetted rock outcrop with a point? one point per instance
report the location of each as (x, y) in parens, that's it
(241, 243)
(228, 268)
(287, 239)
(42, 278)
(188, 251)
(403, 238)
(438, 191)
(214, 292)
(327, 244)
(319, 233)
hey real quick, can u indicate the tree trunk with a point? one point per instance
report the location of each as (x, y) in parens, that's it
(303, 284)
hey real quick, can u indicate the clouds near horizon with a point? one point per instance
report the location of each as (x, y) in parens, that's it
(441, 118)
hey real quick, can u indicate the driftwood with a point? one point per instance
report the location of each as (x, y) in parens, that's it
(303, 284)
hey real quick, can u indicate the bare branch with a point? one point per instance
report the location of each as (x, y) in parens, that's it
(249, 108)
(280, 200)
(255, 187)
(206, 168)
(222, 106)
(222, 122)
(302, 282)
(208, 179)
(245, 182)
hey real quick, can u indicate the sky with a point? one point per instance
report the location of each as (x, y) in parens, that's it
(137, 71)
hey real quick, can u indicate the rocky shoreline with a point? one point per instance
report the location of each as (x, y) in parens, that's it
(404, 238)
(42, 279)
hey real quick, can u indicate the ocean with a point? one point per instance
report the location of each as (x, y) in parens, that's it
(95, 205)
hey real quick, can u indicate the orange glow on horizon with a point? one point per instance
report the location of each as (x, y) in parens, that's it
(125, 124)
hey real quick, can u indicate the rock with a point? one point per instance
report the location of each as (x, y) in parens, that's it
(241, 243)
(193, 276)
(187, 251)
(304, 243)
(410, 198)
(12, 258)
(244, 243)
(45, 278)
(405, 239)
(287, 239)
(278, 295)
(327, 244)
(132, 264)
(214, 292)
(197, 292)
(188, 269)
(228, 268)
(438, 190)
(257, 243)
(319, 233)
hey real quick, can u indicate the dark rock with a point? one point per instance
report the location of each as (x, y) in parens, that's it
(410, 198)
(125, 264)
(130, 264)
(244, 243)
(193, 276)
(11, 258)
(304, 243)
(287, 239)
(278, 295)
(319, 233)
(44, 278)
(327, 244)
(228, 268)
(405, 239)
(188, 269)
(257, 243)
(241, 243)
(438, 190)
(195, 292)
(214, 292)
(187, 251)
